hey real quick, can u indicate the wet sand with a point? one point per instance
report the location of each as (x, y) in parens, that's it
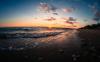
(68, 46)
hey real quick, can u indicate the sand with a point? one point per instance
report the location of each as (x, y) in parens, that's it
(90, 45)
(70, 46)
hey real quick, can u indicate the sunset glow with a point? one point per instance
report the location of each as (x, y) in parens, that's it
(41, 22)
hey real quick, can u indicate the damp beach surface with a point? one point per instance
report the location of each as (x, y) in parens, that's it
(49, 45)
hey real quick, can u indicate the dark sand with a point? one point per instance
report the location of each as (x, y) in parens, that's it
(69, 46)
(90, 45)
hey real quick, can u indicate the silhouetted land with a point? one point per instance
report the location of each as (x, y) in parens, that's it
(93, 26)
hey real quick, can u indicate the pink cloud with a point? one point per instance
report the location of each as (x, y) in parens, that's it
(67, 10)
(50, 19)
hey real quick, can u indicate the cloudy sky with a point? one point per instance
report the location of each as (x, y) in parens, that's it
(49, 13)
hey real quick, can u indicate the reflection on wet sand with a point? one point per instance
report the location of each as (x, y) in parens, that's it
(65, 38)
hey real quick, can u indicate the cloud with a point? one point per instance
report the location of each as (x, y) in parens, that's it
(72, 23)
(55, 13)
(96, 12)
(97, 16)
(50, 19)
(53, 8)
(68, 10)
(69, 22)
(71, 19)
(85, 20)
(93, 7)
(45, 7)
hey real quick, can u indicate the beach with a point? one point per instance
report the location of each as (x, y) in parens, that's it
(67, 45)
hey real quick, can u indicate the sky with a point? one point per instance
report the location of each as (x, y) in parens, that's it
(49, 13)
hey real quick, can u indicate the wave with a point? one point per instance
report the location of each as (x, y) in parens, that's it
(28, 35)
